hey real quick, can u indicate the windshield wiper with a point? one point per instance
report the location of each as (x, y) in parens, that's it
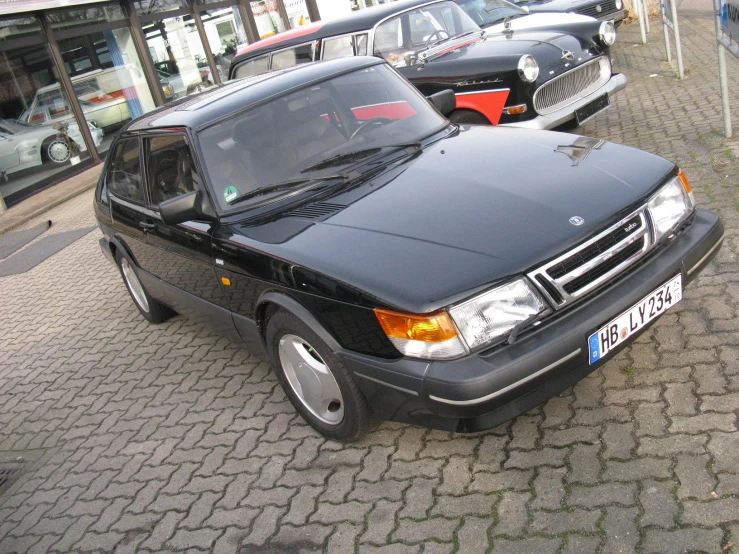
(343, 158)
(284, 185)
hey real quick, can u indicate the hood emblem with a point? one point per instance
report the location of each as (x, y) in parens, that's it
(598, 8)
(567, 55)
(577, 220)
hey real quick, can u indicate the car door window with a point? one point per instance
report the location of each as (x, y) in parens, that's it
(360, 44)
(252, 67)
(124, 176)
(293, 56)
(170, 168)
(337, 48)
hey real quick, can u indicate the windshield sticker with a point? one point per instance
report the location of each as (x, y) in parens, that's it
(230, 193)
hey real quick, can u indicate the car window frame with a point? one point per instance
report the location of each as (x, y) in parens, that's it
(269, 55)
(371, 40)
(114, 144)
(293, 47)
(354, 35)
(145, 149)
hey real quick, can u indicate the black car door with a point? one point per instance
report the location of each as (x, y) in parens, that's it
(127, 196)
(180, 255)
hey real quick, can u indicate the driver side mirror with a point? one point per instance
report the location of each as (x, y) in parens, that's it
(183, 208)
(445, 101)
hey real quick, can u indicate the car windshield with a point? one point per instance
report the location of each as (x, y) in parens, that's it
(309, 135)
(401, 38)
(489, 12)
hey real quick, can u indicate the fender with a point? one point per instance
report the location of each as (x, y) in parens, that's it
(302, 313)
(489, 103)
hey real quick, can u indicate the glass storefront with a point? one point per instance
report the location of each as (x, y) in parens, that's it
(108, 80)
(71, 76)
(178, 55)
(39, 136)
(267, 17)
(225, 32)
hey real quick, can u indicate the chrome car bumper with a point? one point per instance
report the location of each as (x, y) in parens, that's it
(563, 115)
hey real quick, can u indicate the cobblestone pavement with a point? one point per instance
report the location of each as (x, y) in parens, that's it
(168, 438)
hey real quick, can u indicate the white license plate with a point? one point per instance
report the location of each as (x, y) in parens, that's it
(621, 328)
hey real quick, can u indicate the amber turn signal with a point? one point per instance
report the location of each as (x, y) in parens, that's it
(226, 281)
(515, 110)
(684, 180)
(436, 327)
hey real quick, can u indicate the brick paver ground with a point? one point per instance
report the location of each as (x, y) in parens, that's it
(168, 438)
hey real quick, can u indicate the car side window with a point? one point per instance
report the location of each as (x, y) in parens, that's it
(293, 56)
(360, 45)
(170, 167)
(337, 48)
(252, 67)
(124, 176)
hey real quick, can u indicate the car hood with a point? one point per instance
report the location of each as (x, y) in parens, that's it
(547, 46)
(471, 210)
(539, 20)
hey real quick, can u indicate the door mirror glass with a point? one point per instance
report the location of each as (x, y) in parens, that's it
(185, 207)
(445, 101)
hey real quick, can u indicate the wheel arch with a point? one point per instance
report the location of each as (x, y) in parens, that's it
(272, 301)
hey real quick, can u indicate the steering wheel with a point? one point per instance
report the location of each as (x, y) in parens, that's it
(435, 34)
(374, 121)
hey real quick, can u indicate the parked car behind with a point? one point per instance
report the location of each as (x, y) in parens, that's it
(23, 146)
(603, 10)
(538, 78)
(390, 264)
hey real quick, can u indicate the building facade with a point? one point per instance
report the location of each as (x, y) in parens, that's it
(73, 73)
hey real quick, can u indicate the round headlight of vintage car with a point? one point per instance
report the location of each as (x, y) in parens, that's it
(493, 314)
(528, 69)
(607, 33)
(619, 4)
(672, 204)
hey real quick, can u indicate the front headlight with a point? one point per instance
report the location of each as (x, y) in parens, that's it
(619, 4)
(490, 315)
(607, 33)
(528, 69)
(672, 204)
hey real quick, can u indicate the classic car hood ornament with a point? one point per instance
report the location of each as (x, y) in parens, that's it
(567, 55)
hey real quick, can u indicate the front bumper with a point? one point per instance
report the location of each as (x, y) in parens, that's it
(483, 390)
(563, 115)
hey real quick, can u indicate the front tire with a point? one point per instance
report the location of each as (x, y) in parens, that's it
(55, 150)
(152, 310)
(316, 382)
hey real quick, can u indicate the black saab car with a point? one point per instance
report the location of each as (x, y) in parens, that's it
(558, 73)
(395, 266)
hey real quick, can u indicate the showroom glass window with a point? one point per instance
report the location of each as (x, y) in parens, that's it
(225, 32)
(40, 134)
(174, 43)
(101, 60)
(267, 17)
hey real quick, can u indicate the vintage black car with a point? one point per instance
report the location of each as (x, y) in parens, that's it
(388, 263)
(538, 78)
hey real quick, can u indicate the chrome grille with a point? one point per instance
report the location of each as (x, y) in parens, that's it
(571, 86)
(606, 8)
(579, 271)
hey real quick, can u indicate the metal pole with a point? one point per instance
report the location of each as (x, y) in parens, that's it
(678, 49)
(645, 9)
(3, 207)
(206, 45)
(142, 49)
(640, 15)
(667, 32)
(723, 81)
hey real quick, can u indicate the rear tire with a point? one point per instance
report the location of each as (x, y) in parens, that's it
(152, 310)
(468, 117)
(320, 388)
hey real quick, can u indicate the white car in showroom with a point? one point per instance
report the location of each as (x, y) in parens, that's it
(23, 146)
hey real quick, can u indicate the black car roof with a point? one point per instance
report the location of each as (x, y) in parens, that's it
(223, 100)
(361, 20)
